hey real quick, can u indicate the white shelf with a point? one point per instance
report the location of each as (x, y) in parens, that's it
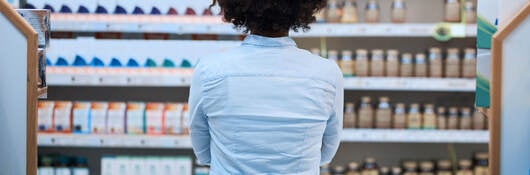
(184, 142)
(173, 77)
(415, 136)
(121, 141)
(410, 84)
(214, 25)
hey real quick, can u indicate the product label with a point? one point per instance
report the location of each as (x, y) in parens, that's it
(366, 118)
(116, 121)
(400, 121)
(452, 123)
(414, 121)
(349, 120)
(383, 119)
(441, 122)
(361, 68)
(429, 121)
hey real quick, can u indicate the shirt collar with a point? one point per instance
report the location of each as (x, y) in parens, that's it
(268, 41)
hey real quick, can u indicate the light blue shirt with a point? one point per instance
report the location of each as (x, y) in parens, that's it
(266, 107)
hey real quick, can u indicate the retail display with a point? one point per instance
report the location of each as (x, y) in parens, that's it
(412, 167)
(112, 117)
(416, 117)
(62, 165)
(409, 65)
(139, 165)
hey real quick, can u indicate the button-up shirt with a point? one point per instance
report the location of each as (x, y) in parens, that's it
(265, 107)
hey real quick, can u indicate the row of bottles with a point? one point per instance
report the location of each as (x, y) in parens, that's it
(385, 116)
(431, 64)
(62, 165)
(346, 11)
(477, 166)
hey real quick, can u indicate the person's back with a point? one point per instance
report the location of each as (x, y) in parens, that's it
(266, 107)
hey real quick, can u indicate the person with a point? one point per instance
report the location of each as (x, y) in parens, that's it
(266, 107)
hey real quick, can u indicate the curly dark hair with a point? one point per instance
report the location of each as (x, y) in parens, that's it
(270, 16)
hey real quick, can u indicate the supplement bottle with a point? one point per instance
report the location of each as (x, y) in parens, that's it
(350, 119)
(435, 62)
(353, 169)
(349, 12)
(398, 11)
(464, 167)
(407, 68)
(414, 117)
(392, 63)
(452, 63)
(452, 11)
(465, 119)
(366, 113)
(377, 65)
(347, 64)
(361, 63)
(441, 119)
(400, 117)
(371, 12)
(481, 164)
(334, 13)
(470, 12)
(383, 115)
(469, 69)
(452, 119)
(369, 167)
(479, 120)
(420, 67)
(429, 117)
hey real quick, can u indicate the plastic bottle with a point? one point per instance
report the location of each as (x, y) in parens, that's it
(452, 119)
(349, 12)
(371, 12)
(334, 13)
(361, 63)
(441, 119)
(452, 63)
(347, 64)
(420, 66)
(377, 64)
(406, 68)
(366, 113)
(400, 117)
(398, 11)
(465, 119)
(469, 65)
(383, 114)
(435, 62)
(369, 167)
(414, 117)
(350, 119)
(429, 117)
(392, 63)
(452, 11)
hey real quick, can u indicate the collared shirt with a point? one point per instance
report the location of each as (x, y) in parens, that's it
(266, 107)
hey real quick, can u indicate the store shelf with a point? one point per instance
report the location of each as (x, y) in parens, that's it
(410, 84)
(121, 141)
(184, 142)
(415, 136)
(214, 25)
(173, 77)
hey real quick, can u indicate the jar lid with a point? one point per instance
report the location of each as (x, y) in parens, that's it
(420, 58)
(465, 110)
(366, 99)
(384, 99)
(362, 52)
(435, 50)
(392, 52)
(347, 53)
(452, 51)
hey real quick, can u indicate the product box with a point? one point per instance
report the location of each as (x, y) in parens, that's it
(185, 119)
(63, 116)
(98, 117)
(135, 118)
(154, 118)
(45, 116)
(81, 117)
(173, 118)
(116, 118)
(486, 28)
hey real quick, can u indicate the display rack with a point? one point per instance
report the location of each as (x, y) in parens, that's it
(214, 25)
(415, 136)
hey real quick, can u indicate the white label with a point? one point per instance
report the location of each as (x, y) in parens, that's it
(62, 119)
(99, 121)
(116, 122)
(81, 120)
(135, 122)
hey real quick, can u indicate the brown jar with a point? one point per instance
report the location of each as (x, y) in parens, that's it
(452, 63)
(452, 11)
(429, 117)
(383, 115)
(435, 62)
(470, 12)
(377, 65)
(465, 119)
(369, 167)
(366, 113)
(354, 169)
(452, 119)
(347, 63)
(371, 12)
(333, 12)
(479, 120)
(349, 12)
(464, 167)
(410, 168)
(400, 117)
(441, 119)
(426, 168)
(444, 168)
(406, 68)
(361, 63)
(392, 63)
(481, 164)
(350, 119)
(469, 66)
(398, 11)
(420, 67)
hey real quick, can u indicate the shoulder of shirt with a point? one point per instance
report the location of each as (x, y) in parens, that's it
(330, 68)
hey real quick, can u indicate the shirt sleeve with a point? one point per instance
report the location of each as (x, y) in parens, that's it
(333, 131)
(199, 129)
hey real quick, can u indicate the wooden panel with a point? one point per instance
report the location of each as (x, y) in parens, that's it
(496, 88)
(31, 89)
